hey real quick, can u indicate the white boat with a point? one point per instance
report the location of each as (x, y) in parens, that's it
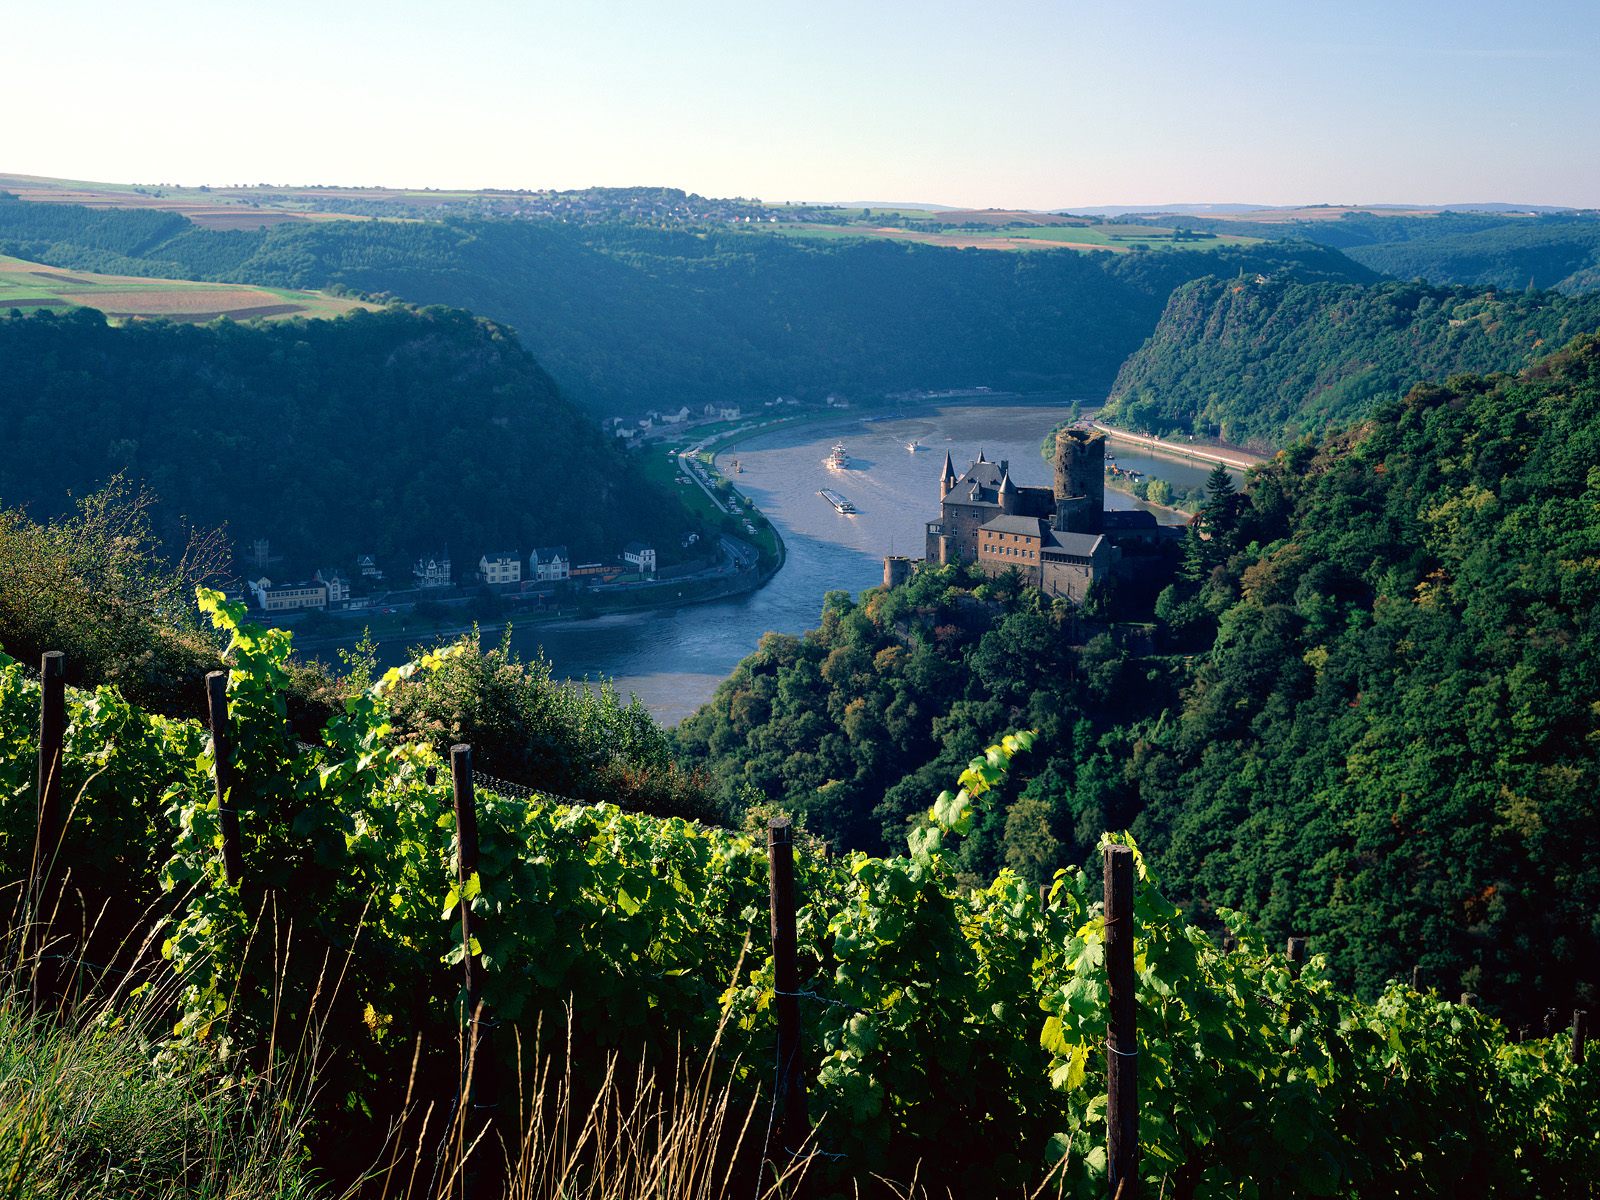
(914, 445)
(838, 460)
(840, 504)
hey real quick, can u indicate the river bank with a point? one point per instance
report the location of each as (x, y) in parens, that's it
(1229, 456)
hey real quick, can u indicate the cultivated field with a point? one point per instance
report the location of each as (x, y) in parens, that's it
(1063, 234)
(32, 286)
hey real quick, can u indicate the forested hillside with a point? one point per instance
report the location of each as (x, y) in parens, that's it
(1264, 361)
(1378, 725)
(1558, 251)
(628, 317)
(390, 433)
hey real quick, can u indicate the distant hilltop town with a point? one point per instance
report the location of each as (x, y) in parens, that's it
(1060, 539)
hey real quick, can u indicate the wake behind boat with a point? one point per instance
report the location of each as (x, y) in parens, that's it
(837, 459)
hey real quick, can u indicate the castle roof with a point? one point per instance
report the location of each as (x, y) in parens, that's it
(1026, 526)
(1080, 545)
(1007, 488)
(1129, 518)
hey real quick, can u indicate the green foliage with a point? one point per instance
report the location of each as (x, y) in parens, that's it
(1381, 734)
(1391, 740)
(86, 1115)
(389, 433)
(576, 741)
(95, 585)
(1266, 362)
(628, 317)
(954, 1026)
(857, 722)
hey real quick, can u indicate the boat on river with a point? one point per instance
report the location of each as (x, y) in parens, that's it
(840, 504)
(838, 460)
(914, 445)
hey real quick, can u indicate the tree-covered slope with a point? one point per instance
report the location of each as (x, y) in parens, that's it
(392, 433)
(1557, 251)
(628, 317)
(1266, 361)
(1382, 729)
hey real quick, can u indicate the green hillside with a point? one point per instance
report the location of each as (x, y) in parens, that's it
(607, 947)
(1262, 362)
(389, 433)
(1371, 716)
(628, 317)
(1513, 251)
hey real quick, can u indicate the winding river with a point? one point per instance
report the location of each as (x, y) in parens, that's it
(674, 659)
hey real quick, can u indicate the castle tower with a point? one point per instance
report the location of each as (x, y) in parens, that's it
(947, 478)
(1007, 495)
(1080, 484)
(896, 570)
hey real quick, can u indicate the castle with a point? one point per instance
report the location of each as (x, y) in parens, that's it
(1060, 539)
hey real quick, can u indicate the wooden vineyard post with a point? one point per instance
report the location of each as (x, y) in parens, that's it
(792, 1122)
(1550, 1019)
(1580, 1029)
(222, 762)
(1416, 979)
(50, 824)
(1296, 950)
(477, 1090)
(1122, 1046)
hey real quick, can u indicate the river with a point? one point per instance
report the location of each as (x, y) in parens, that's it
(674, 659)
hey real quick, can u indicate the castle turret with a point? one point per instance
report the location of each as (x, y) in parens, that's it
(1080, 484)
(896, 570)
(947, 479)
(1007, 495)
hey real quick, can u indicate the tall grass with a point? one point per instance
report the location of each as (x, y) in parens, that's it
(97, 1104)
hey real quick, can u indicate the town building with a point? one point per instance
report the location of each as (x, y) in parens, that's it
(1055, 537)
(367, 566)
(641, 557)
(550, 564)
(595, 572)
(288, 597)
(431, 571)
(500, 566)
(337, 583)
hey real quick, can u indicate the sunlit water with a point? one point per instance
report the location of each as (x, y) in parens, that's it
(673, 660)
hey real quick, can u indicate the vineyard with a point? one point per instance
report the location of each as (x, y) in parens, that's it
(364, 895)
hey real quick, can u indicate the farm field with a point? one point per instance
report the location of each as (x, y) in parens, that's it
(31, 286)
(1117, 239)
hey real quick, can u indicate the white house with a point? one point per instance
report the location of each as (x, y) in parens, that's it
(337, 583)
(500, 566)
(431, 571)
(676, 418)
(637, 554)
(287, 597)
(728, 412)
(368, 566)
(550, 564)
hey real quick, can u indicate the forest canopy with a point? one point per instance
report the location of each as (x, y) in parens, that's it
(1263, 361)
(1371, 717)
(628, 317)
(391, 433)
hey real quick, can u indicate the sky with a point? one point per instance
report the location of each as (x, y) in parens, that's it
(1006, 103)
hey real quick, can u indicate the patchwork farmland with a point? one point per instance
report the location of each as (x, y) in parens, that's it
(31, 286)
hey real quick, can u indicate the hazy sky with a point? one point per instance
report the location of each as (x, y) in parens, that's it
(1002, 103)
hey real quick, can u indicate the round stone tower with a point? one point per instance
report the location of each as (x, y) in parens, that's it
(1080, 480)
(896, 570)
